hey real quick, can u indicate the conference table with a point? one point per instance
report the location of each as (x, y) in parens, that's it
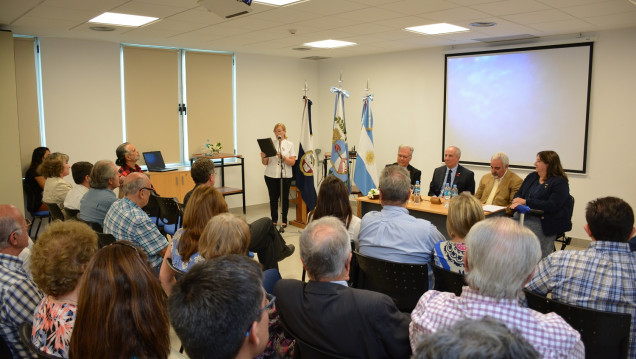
(434, 213)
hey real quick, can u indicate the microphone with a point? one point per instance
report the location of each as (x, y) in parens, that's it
(279, 137)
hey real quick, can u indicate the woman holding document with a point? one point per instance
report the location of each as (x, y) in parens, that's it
(279, 167)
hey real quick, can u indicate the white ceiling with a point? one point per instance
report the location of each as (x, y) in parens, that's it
(375, 25)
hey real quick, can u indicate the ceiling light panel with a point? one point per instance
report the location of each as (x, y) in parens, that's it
(434, 29)
(330, 44)
(113, 18)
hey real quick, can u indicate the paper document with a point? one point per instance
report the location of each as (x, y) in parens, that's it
(492, 208)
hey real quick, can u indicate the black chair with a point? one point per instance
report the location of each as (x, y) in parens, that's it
(33, 203)
(152, 209)
(104, 239)
(605, 334)
(170, 214)
(25, 338)
(5, 352)
(70, 213)
(304, 350)
(56, 211)
(403, 282)
(448, 281)
(94, 226)
(562, 238)
(40, 216)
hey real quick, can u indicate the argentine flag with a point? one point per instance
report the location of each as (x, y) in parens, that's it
(366, 174)
(306, 166)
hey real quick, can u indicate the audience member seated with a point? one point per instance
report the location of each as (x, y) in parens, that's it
(632, 244)
(127, 157)
(81, 175)
(329, 315)
(405, 154)
(463, 212)
(452, 173)
(220, 310)
(500, 186)
(333, 200)
(500, 258)
(18, 294)
(126, 220)
(34, 181)
(484, 338)
(94, 205)
(546, 189)
(59, 257)
(601, 277)
(54, 168)
(202, 173)
(393, 234)
(121, 309)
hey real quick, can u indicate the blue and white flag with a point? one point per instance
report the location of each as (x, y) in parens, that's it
(339, 148)
(366, 174)
(305, 171)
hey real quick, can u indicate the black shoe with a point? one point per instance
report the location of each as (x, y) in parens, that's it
(287, 251)
(284, 225)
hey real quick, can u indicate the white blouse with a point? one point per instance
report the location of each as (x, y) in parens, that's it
(273, 168)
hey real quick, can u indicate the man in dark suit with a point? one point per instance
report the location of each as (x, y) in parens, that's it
(452, 173)
(325, 313)
(405, 154)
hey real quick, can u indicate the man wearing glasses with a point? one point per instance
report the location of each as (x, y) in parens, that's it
(219, 309)
(126, 220)
(18, 294)
(405, 154)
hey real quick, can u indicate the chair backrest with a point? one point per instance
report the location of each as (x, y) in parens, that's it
(176, 270)
(152, 208)
(403, 282)
(25, 338)
(448, 281)
(170, 213)
(5, 352)
(104, 239)
(70, 213)
(605, 334)
(304, 350)
(94, 226)
(55, 210)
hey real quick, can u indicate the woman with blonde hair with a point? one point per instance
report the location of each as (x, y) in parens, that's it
(224, 234)
(463, 212)
(54, 168)
(58, 260)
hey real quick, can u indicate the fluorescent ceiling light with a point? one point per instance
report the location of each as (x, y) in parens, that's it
(435, 29)
(330, 44)
(277, 2)
(113, 18)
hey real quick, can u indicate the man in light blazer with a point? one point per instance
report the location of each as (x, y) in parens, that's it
(507, 182)
(452, 173)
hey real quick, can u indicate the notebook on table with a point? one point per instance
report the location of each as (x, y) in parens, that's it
(155, 163)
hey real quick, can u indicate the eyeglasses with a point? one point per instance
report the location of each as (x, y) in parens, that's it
(143, 188)
(270, 304)
(27, 223)
(126, 245)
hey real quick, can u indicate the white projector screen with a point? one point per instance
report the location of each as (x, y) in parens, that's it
(519, 101)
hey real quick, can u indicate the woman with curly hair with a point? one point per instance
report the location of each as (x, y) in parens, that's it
(58, 260)
(54, 168)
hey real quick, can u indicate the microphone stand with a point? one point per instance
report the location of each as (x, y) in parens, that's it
(280, 204)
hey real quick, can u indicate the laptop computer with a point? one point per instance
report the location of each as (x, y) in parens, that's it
(155, 163)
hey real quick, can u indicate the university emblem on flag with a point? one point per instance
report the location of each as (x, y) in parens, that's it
(307, 163)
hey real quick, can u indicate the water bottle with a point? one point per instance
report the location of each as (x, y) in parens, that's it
(454, 191)
(416, 192)
(447, 194)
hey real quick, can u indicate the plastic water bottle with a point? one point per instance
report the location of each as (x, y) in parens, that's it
(447, 194)
(454, 191)
(416, 192)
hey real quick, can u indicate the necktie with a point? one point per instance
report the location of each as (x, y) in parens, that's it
(449, 179)
(492, 193)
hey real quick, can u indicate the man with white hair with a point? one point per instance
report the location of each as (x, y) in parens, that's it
(329, 315)
(500, 186)
(452, 173)
(500, 258)
(405, 154)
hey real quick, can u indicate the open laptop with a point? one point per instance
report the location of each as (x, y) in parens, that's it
(154, 161)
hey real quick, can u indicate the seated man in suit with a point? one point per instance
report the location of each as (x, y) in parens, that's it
(500, 186)
(216, 303)
(500, 258)
(602, 277)
(325, 313)
(405, 154)
(393, 234)
(94, 205)
(452, 173)
(202, 173)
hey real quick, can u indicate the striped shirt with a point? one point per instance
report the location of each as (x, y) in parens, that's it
(548, 333)
(601, 277)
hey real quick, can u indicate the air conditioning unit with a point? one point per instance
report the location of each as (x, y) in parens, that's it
(227, 8)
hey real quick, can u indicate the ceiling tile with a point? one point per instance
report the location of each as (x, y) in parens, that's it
(538, 17)
(508, 7)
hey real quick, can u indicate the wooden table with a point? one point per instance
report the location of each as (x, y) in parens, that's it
(434, 213)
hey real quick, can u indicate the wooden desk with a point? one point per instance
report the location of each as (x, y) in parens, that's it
(434, 213)
(219, 161)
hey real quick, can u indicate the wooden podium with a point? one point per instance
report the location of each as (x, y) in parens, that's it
(301, 209)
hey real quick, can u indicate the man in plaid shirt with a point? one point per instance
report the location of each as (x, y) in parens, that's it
(19, 296)
(500, 258)
(126, 220)
(602, 277)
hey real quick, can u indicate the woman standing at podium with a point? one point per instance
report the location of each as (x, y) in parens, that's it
(277, 167)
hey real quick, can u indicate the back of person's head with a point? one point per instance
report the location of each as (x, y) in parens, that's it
(501, 255)
(610, 219)
(134, 182)
(101, 173)
(60, 255)
(333, 200)
(53, 165)
(8, 225)
(213, 305)
(485, 338)
(553, 162)
(224, 234)
(80, 170)
(395, 184)
(463, 212)
(325, 248)
(121, 152)
(205, 203)
(38, 156)
(121, 309)
(201, 170)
